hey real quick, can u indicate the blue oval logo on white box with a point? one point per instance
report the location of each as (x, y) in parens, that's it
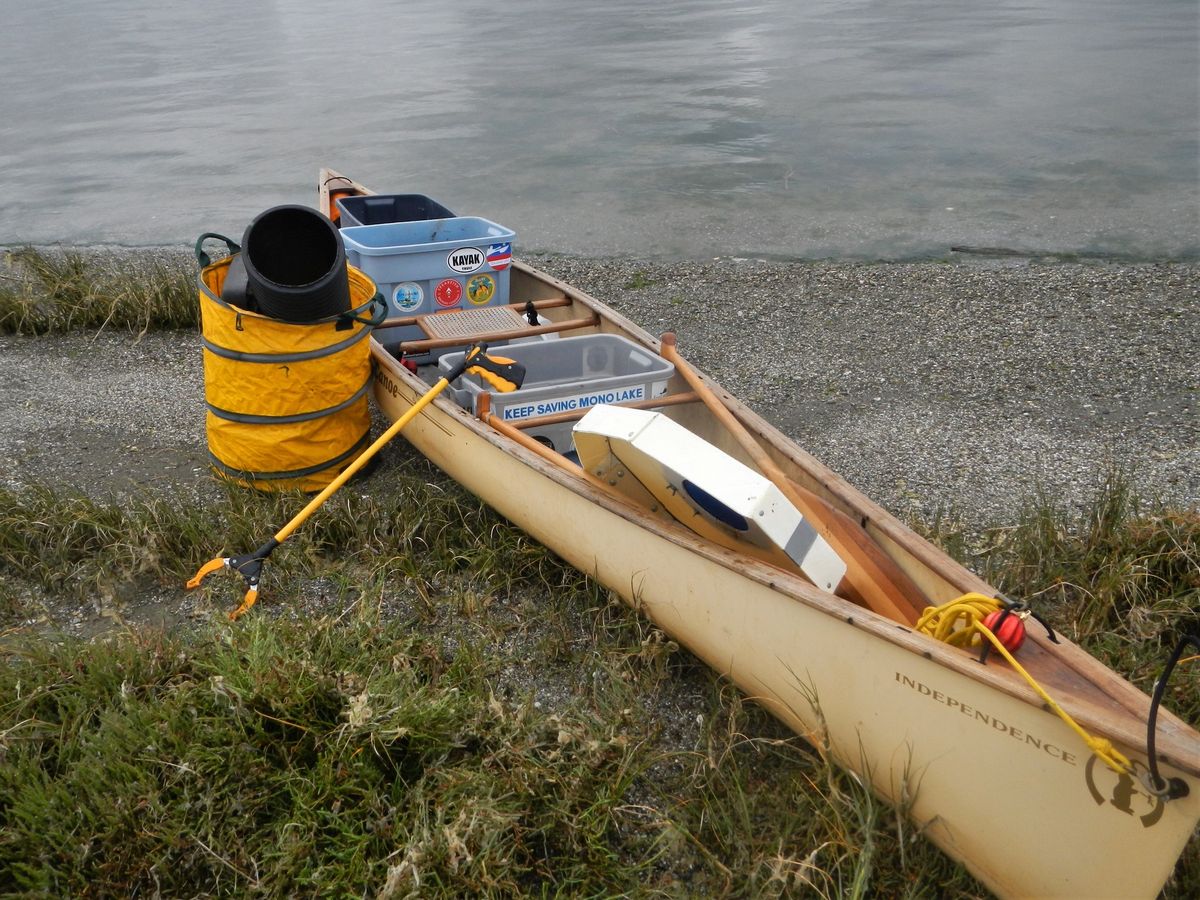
(465, 260)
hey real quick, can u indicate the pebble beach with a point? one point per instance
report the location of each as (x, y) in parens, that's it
(941, 389)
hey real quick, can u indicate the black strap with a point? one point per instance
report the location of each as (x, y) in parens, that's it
(1049, 631)
(995, 629)
(203, 258)
(379, 310)
(1170, 788)
(1011, 607)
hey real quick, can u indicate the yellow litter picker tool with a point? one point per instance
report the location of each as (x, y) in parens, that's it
(504, 374)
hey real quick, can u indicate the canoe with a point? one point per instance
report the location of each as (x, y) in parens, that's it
(971, 752)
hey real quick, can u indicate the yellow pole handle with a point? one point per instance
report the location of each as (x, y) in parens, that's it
(314, 504)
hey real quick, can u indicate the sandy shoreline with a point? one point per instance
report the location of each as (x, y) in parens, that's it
(958, 387)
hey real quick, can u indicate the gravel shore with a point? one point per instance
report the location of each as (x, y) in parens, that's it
(956, 388)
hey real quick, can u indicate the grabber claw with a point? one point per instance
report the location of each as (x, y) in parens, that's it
(505, 374)
(247, 602)
(207, 569)
(249, 566)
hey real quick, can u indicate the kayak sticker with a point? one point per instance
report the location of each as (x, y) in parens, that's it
(481, 289)
(408, 296)
(499, 256)
(465, 260)
(448, 292)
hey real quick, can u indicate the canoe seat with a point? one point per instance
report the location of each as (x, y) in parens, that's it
(465, 324)
(494, 324)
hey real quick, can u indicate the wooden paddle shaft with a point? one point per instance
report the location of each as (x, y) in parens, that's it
(886, 592)
(483, 412)
(361, 460)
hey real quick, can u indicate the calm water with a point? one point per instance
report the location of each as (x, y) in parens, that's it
(794, 128)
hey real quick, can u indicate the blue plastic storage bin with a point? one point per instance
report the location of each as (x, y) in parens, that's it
(380, 209)
(432, 265)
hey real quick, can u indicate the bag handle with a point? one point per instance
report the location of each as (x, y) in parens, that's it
(203, 258)
(377, 305)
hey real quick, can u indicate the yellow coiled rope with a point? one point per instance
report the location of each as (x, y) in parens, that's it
(960, 624)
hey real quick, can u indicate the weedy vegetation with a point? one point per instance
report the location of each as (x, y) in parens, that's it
(50, 291)
(639, 281)
(427, 703)
(1121, 578)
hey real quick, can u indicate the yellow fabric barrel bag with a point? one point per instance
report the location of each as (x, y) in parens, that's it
(287, 402)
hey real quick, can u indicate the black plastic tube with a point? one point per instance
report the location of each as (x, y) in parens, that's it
(296, 265)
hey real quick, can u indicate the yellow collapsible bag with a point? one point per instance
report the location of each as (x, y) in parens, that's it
(287, 402)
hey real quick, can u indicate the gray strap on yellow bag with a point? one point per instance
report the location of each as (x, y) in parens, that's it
(203, 258)
(378, 312)
(236, 288)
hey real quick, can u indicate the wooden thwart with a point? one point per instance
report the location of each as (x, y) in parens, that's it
(492, 336)
(548, 303)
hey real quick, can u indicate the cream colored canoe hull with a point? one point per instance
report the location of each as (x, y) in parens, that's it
(999, 784)
(965, 750)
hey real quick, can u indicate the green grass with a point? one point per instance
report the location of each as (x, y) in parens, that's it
(69, 543)
(1121, 578)
(639, 281)
(427, 703)
(290, 761)
(43, 292)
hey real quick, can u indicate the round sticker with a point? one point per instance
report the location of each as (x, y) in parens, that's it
(499, 256)
(448, 292)
(481, 289)
(408, 296)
